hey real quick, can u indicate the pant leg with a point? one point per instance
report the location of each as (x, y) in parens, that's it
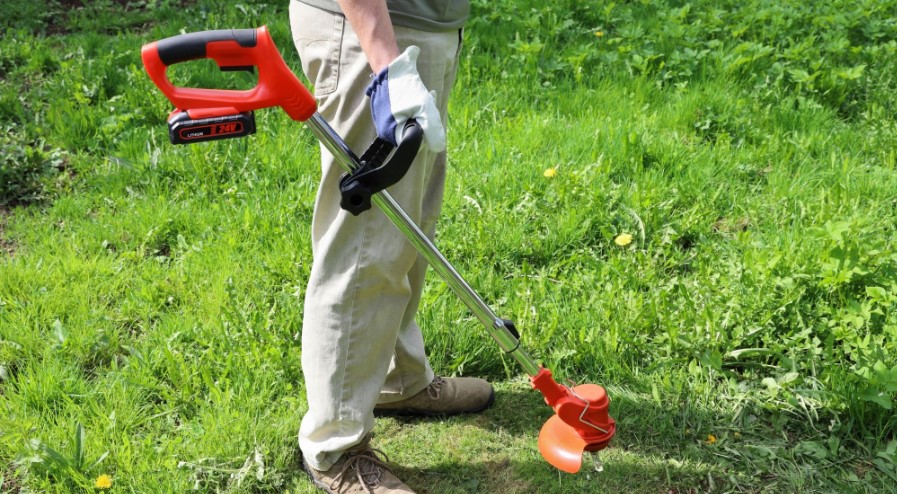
(366, 278)
(409, 370)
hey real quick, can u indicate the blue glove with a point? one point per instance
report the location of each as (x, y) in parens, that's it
(397, 94)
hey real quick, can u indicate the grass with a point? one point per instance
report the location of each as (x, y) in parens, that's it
(150, 295)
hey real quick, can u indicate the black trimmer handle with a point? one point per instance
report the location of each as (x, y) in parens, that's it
(374, 175)
(193, 46)
(398, 165)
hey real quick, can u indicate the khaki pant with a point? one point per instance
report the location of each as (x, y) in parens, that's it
(360, 342)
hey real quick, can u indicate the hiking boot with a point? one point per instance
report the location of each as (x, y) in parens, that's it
(443, 397)
(359, 470)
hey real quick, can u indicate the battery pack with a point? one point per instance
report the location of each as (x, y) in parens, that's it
(184, 130)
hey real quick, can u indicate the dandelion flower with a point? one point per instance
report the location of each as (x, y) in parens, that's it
(623, 239)
(711, 439)
(104, 481)
(550, 172)
(599, 33)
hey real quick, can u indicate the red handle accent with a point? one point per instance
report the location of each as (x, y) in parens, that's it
(277, 84)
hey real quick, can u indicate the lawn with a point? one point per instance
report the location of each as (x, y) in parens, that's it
(692, 204)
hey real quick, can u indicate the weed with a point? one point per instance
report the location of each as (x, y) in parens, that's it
(28, 170)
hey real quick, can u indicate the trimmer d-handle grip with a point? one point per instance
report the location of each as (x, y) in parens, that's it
(232, 49)
(375, 172)
(192, 46)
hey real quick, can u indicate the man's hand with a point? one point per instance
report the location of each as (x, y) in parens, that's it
(397, 95)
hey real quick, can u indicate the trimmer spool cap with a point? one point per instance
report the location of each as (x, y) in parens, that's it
(581, 422)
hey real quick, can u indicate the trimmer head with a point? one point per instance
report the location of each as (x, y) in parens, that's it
(580, 423)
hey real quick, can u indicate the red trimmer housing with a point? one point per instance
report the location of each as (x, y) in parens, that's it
(581, 422)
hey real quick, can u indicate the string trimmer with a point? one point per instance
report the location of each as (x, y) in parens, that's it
(581, 422)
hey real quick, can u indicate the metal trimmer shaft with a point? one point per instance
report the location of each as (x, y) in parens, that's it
(497, 327)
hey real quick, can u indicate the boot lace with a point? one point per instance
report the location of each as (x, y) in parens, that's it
(435, 387)
(367, 468)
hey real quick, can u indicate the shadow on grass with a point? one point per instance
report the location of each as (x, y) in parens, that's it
(642, 457)
(657, 449)
(535, 476)
(642, 424)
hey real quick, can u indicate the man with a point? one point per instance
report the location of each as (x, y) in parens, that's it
(374, 64)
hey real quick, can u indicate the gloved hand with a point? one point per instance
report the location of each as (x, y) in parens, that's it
(398, 94)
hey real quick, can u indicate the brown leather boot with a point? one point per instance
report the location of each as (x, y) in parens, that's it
(359, 470)
(443, 396)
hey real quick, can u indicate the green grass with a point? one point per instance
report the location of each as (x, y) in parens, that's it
(151, 295)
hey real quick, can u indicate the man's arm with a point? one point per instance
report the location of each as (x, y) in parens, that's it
(397, 92)
(370, 21)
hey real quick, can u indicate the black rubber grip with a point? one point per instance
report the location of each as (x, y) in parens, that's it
(373, 175)
(192, 46)
(412, 137)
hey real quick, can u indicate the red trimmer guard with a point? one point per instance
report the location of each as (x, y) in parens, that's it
(581, 422)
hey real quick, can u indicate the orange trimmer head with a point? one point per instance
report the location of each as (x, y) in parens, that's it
(580, 424)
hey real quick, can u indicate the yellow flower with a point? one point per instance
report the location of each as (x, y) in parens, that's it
(599, 33)
(711, 439)
(737, 435)
(623, 239)
(550, 172)
(103, 482)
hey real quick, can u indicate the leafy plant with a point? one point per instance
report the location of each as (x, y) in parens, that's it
(28, 168)
(67, 467)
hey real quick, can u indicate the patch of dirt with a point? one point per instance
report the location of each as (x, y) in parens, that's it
(10, 484)
(6, 246)
(57, 24)
(128, 4)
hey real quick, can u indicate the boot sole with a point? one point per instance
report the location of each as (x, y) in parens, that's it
(311, 476)
(414, 412)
